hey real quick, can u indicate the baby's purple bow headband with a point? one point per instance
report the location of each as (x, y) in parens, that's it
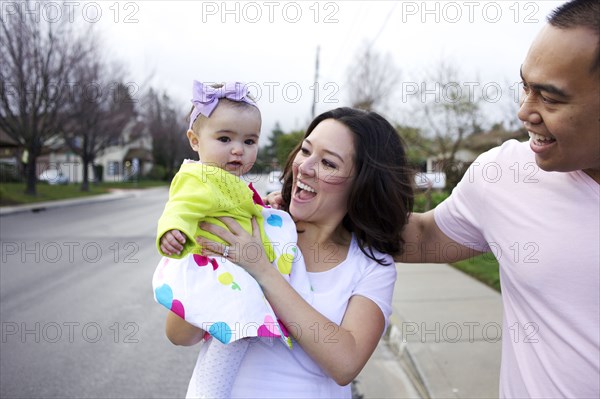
(206, 98)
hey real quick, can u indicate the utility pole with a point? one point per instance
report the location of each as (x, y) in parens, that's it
(315, 85)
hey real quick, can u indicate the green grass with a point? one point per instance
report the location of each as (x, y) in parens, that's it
(483, 267)
(14, 193)
(421, 200)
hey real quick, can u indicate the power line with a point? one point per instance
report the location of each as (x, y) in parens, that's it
(315, 82)
(387, 18)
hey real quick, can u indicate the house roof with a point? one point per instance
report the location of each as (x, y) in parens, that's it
(7, 141)
(481, 142)
(140, 153)
(136, 129)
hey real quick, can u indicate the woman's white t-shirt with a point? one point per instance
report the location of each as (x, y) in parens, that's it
(270, 370)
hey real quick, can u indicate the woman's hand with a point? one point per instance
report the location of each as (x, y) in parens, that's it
(244, 250)
(341, 357)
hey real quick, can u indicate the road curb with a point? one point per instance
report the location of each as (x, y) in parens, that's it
(399, 346)
(42, 206)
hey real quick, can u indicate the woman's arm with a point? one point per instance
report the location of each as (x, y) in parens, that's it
(180, 332)
(340, 350)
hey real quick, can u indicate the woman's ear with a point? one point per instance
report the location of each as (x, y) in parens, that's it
(193, 139)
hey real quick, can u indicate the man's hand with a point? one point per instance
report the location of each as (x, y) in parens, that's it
(274, 200)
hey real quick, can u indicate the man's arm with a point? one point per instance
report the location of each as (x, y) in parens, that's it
(426, 243)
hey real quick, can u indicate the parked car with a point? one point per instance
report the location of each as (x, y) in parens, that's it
(53, 176)
(274, 181)
(430, 180)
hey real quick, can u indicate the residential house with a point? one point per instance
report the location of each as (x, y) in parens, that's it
(10, 158)
(128, 156)
(476, 144)
(471, 148)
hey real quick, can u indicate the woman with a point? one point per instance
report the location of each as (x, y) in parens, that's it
(348, 188)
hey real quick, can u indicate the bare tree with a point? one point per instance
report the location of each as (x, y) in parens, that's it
(511, 104)
(450, 111)
(38, 56)
(167, 127)
(100, 107)
(372, 79)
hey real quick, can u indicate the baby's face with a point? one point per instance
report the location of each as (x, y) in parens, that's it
(228, 139)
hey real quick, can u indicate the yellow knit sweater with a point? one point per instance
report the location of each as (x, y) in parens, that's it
(202, 193)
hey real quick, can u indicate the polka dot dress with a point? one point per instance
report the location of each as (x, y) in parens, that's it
(221, 298)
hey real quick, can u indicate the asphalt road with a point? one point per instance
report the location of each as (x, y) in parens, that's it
(77, 313)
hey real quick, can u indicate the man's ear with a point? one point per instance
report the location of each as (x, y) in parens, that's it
(193, 139)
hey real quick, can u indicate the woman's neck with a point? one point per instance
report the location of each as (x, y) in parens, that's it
(324, 233)
(323, 247)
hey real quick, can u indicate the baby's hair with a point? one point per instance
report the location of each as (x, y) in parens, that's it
(241, 105)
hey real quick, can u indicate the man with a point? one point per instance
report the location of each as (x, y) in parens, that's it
(536, 206)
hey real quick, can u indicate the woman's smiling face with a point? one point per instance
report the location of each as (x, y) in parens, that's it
(323, 173)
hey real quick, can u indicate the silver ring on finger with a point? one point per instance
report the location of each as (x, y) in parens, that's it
(226, 251)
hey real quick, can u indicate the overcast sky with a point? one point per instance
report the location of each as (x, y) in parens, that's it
(272, 46)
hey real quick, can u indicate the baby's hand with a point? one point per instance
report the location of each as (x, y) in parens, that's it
(171, 243)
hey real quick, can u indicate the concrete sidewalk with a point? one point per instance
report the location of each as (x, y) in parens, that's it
(444, 340)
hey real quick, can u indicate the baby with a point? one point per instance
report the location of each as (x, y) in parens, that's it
(214, 294)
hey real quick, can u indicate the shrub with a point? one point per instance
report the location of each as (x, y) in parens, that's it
(158, 172)
(422, 200)
(9, 173)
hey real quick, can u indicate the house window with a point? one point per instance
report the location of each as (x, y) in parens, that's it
(113, 168)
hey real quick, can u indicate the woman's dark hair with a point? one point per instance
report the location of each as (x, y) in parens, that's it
(381, 197)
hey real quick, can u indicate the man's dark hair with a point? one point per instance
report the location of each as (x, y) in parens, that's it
(579, 13)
